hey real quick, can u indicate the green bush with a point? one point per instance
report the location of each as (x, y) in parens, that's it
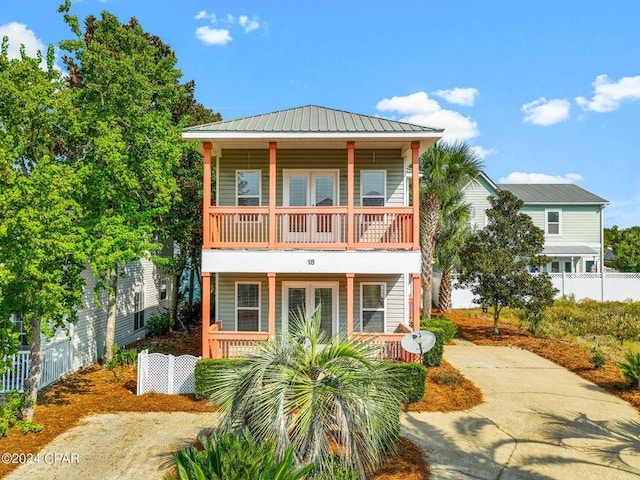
(448, 378)
(236, 456)
(203, 370)
(411, 380)
(9, 410)
(597, 360)
(449, 329)
(433, 357)
(631, 369)
(158, 325)
(121, 357)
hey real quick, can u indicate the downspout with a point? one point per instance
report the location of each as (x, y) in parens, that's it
(602, 253)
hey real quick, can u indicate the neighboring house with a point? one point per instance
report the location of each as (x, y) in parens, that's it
(311, 209)
(143, 291)
(571, 218)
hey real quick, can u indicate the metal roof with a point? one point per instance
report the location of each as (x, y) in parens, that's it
(552, 194)
(563, 250)
(312, 119)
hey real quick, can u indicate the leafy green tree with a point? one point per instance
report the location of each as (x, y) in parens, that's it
(321, 395)
(496, 260)
(42, 253)
(454, 232)
(126, 142)
(625, 245)
(445, 168)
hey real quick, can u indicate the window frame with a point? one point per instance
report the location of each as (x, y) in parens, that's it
(257, 308)
(138, 310)
(384, 184)
(383, 292)
(18, 324)
(547, 211)
(163, 291)
(258, 195)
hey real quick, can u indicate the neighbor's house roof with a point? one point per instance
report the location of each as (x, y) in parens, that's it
(313, 123)
(552, 194)
(562, 250)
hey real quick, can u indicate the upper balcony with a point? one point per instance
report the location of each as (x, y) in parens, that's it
(323, 228)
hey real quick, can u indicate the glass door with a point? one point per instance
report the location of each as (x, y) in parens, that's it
(305, 298)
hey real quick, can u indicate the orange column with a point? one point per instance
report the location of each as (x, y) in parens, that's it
(206, 196)
(350, 194)
(272, 304)
(206, 313)
(416, 301)
(350, 303)
(272, 194)
(415, 184)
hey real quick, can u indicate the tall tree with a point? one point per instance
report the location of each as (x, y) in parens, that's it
(625, 245)
(126, 145)
(445, 168)
(454, 232)
(42, 242)
(496, 260)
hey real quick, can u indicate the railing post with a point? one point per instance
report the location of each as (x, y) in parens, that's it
(272, 194)
(350, 194)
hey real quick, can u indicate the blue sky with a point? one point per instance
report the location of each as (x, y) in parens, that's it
(547, 90)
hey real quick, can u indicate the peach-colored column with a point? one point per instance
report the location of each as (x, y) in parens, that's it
(206, 313)
(415, 183)
(272, 304)
(350, 303)
(416, 301)
(350, 194)
(272, 194)
(206, 196)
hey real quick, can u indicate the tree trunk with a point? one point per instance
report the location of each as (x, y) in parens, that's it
(496, 316)
(429, 217)
(32, 382)
(444, 294)
(173, 308)
(110, 330)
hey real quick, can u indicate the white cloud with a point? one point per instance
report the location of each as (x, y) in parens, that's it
(204, 15)
(249, 24)
(522, 177)
(418, 108)
(213, 36)
(459, 96)
(546, 112)
(18, 34)
(482, 152)
(608, 95)
(230, 18)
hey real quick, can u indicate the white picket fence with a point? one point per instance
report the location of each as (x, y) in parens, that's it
(597, 286)
(162, 373)
(56, 362)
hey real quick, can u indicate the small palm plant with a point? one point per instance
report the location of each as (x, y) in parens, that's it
(327, 397)
(630, 368)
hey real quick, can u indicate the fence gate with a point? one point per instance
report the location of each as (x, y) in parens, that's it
(162, 373)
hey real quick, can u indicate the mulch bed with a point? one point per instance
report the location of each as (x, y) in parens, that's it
(478, 329)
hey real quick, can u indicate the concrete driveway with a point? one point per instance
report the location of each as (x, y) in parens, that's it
(538, 421)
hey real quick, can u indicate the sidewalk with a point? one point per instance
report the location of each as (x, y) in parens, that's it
(539, 421)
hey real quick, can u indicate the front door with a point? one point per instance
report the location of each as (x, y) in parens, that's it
(310, 189)
(305, 298)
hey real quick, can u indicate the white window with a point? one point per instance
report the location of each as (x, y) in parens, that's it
(248, 188)
(248, 307)
(138, 310)
(163, 290)
(553, 222)
(373, 192)
(372, 307)
(22, 332)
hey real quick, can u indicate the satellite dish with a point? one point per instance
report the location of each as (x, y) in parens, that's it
(418, 342)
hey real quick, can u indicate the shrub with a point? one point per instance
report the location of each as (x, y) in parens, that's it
(9, 410)
(597, 360)
(236, 456)
(158, 325)
(205, 369)
(631, 369)
(433, 357)
(447, 377)
(411, 379)
(121, 357)
(449, 329)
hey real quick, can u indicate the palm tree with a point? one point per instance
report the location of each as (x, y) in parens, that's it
(454, 231)
(445, 167)
(327, 397)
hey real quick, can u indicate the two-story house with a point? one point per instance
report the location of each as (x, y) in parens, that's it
(572, 220)
(312, 207)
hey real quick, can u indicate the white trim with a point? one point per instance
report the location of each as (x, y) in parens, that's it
(384, 306)
(247, 170)
(258, 308)
(310, 285)
(139, 310)
(310, 172)
(546, 222)
(384, 185)
(274, 136)
(311, 261)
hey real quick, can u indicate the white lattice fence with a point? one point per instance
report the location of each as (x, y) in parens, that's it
(162, 373)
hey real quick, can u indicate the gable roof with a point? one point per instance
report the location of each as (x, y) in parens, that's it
(552, 194)
(313, 119)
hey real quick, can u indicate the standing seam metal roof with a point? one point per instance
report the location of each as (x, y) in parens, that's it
(550, 193)
(312, 119)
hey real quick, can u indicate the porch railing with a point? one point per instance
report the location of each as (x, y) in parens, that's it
(310, 227)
